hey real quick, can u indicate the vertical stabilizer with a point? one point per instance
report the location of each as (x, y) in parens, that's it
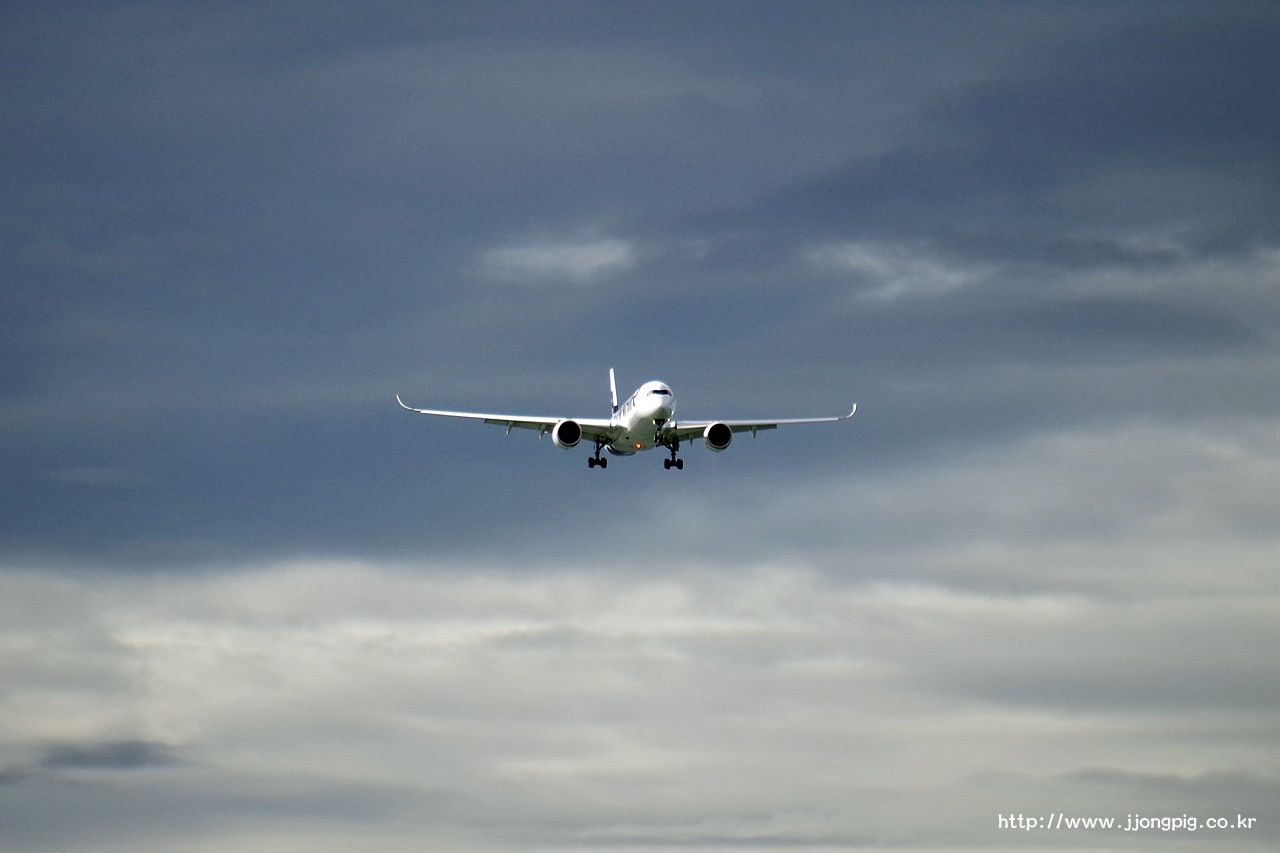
(613, 392)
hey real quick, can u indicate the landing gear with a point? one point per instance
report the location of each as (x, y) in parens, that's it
(598, 459)
(673, 462)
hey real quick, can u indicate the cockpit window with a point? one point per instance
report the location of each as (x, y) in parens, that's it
(660, 391)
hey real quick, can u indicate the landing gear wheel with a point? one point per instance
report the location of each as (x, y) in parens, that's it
(591, 462)
(680, 464)
(666, 463)
(604, 463)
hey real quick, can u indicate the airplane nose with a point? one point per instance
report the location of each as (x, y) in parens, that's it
(655, 407)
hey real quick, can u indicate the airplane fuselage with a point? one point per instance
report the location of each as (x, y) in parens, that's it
(641, 416)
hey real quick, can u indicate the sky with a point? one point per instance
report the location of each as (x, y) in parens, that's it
(247, 602)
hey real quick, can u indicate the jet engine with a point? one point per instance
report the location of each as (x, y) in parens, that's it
(717, 437)
(566, 433)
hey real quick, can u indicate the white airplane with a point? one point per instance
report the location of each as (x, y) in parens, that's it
(646, 420)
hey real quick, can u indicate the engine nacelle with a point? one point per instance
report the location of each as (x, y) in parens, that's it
(717, 437)
(566, 433)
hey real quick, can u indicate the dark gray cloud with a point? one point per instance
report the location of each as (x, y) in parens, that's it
(1173, 112)
(112, 755)
(236, 233)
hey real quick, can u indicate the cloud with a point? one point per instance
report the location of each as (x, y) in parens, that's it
(110, 755)
(893, 272)
(1107, 511)
(549, 262)
(1052, 623)
(1035, 572)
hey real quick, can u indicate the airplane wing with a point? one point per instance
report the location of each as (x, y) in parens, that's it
(689, 430)
(591, 427)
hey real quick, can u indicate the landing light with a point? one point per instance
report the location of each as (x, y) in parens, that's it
(637, 445)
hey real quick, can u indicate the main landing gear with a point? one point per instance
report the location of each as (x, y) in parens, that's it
(673, 462)
(598, 459)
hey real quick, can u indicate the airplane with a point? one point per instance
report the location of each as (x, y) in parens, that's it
(645, 421)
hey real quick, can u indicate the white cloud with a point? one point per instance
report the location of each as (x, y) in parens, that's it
(415, 706)
(548, 262)
(895, 271)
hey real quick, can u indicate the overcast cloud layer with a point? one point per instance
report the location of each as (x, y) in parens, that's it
(249, 603)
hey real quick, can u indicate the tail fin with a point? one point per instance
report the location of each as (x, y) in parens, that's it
(613, 392)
